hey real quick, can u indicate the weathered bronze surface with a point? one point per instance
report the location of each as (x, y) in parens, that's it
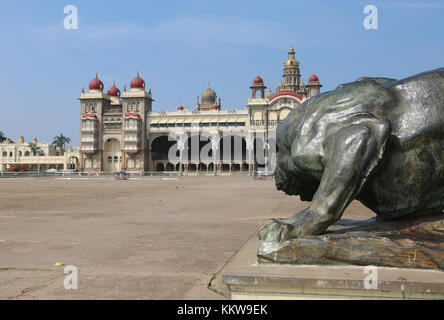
(377, 140)
(411, 242)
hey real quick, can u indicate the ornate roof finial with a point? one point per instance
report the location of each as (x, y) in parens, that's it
(138, 74)
(83, 89)
(97, 75)
(124, 87)
(209, 85)
(114, 83)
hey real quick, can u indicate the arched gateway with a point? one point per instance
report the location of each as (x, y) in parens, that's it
(112, 155)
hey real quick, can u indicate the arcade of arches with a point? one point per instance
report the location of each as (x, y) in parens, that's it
(201, 154)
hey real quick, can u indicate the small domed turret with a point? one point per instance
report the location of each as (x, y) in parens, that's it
(114, 91)
(96, 84)
(208, 96)
(137, 82)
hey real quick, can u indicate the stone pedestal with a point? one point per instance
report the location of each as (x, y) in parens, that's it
(247, 279)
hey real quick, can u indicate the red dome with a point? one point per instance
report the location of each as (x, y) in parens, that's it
(215, 107)
(180, 108)
(96, 84)
(313, 78)
(137, 82)
(258, 79)
(114, 91)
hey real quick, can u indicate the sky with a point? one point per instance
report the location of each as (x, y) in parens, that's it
(181, 46)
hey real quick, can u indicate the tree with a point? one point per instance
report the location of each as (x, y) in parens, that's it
(2, 137)
(35, 149)
(60, 142)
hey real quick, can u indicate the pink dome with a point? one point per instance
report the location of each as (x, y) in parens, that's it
(258, 79)
(313, 77)
(114, 91)
(96, 84)
(137, 82)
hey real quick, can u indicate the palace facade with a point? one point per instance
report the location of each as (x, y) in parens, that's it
(122, 132)
(44, 156)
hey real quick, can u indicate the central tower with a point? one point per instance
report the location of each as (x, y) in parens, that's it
(291, 76)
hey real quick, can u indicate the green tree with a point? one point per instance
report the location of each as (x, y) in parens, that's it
(35, 149)
(60, 142)
(2, 136)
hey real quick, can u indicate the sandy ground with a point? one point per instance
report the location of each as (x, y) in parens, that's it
(150, 238)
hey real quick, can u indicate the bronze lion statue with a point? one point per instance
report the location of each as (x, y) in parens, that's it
(377, 140)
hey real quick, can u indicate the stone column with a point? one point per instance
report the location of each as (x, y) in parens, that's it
(250, 149)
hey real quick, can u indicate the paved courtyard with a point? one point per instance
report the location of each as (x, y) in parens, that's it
(150, 238)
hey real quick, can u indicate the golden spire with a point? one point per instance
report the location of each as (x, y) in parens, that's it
(97, 75)
(291, 61)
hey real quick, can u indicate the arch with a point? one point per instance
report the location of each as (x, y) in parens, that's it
(169, 167)
(27, 153)
(73, 163)
(113, 136)
(160, 166)
(160, 146)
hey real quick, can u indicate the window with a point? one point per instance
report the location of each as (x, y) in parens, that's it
(5, 154)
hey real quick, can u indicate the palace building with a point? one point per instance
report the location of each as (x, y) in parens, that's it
(122, 132)
(36, 156)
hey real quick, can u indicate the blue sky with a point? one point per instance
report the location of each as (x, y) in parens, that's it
(180, 46)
